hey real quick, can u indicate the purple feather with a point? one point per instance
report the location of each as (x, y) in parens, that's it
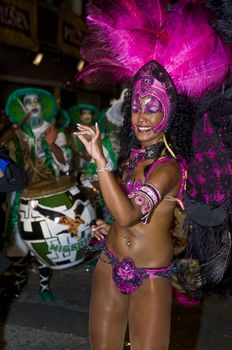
(124, 35)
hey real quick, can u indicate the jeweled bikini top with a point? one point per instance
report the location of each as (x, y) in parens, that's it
(129, 184)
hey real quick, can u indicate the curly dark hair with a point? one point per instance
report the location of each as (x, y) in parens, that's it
(178, 135)
(127, 136)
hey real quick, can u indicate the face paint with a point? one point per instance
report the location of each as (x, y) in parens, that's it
(152, 105)
(153, 80)
(33, 106)
(157, 101)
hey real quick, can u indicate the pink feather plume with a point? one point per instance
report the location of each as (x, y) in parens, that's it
(125, 34)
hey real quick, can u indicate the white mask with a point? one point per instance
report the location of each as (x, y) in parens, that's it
(33, 106)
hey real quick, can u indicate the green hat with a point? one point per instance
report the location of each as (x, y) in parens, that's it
(74, 112)
(15, 111)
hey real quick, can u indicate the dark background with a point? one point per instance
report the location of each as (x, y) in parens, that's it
(57, 71)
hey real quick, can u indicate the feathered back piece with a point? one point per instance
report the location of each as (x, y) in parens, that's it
(126, 34)
(221, 17)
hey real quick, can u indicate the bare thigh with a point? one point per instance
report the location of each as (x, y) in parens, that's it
(150, 314)
(108, 311)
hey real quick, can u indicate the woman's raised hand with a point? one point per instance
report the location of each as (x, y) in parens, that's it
(91, 140)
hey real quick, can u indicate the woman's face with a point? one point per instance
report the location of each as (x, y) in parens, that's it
(147, 112)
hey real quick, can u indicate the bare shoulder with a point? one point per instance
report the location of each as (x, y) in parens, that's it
(166, 175)
(169, 167)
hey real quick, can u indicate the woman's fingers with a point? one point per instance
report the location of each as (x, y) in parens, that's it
(103, 226)
(86, 128)
(101, 230)
(104, 232)
(82, 138)
(97, 234)
(94, 133)
(97, 132)
(86, 132)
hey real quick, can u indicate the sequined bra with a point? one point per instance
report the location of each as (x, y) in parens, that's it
(134, 185)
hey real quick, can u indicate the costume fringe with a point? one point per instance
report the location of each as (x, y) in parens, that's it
(187, 278)
(212, 247)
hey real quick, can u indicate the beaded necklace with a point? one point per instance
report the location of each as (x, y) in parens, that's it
(138, 155)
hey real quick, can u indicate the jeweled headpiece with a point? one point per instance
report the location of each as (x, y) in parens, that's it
(154, 80)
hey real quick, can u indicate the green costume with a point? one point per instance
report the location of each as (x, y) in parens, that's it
(33, 111)
(74, 114)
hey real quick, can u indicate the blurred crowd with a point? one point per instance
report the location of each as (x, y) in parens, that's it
(49, 166)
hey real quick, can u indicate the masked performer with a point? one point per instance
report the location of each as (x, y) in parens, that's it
(37, 146)
(144, 43)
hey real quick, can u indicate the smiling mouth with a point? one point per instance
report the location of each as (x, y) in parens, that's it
(144, 128)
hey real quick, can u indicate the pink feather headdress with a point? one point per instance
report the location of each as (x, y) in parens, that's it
(126, 34)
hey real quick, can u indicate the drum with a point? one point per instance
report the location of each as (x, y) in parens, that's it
(54, 221)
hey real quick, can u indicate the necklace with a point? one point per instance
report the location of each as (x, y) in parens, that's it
(140, 155)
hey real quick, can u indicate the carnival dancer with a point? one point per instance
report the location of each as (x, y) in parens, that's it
(143, 40)
(41, 149)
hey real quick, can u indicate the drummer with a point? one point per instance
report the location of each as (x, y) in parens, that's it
(41, 149)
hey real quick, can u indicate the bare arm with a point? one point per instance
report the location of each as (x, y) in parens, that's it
(125, 211)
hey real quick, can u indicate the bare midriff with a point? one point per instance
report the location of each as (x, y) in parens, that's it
(149, 245)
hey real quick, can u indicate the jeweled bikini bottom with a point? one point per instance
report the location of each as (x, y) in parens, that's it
(126, 276)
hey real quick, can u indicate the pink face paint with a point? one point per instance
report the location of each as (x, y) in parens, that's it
(136, 104)
(159, 102)
(147, 85)
(152, 105)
